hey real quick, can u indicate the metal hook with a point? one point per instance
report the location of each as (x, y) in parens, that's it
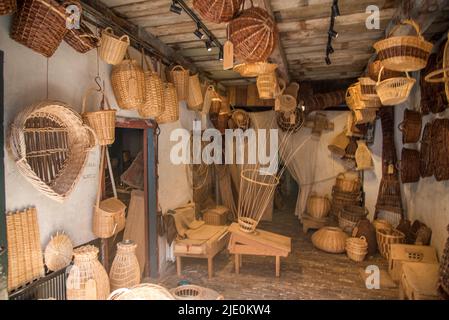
(98, 82)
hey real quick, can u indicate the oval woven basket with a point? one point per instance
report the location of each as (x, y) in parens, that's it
(356, 248)
(410, 161)
(154, 93)
(330, 239)
(58, 252)
(386, 237)
(411, 126)
(144, 291)
(49, 143)
(217, 11)
(195, 96)
(254, 35)
(180, 78)
(82, 39)
(254, 69)
(290, 122)
(404, 53)
(112, 48)
(7, 6)
(394, 91)
(318, 206)
(128, 84)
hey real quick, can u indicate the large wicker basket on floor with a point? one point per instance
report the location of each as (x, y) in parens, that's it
(171, 105)
(254, 34)
(128, 84)
(356, 248)
(82, 39)
(180, 78)
(217, 11)
(404, 53)
(7, 6)
(112, 49)
(102, 121)
(144, 291)
(54, 165)
(394, 91)
(154, 93)
(330, 239)
(40, 25)
(386, 237)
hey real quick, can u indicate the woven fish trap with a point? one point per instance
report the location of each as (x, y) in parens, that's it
(58, 252)
(154, 93)
(7, 6)
(49, 143)
(125, 270)
(128, 84)
(82, 39)
(217, 11)
(144, 291)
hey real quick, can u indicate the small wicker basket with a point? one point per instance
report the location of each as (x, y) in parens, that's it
(82, 39)
(266, 84)
(386, 237)
(180, 78)
(255, 69)
(195, 96)
(394, 91)
(171, 105)
(58, 252)
(154, 93)
(356, 248)
(128, 84)
(112, 48)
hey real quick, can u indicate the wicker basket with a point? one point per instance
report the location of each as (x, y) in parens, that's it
(128, 84)
(442, 73)
(7, 6)
(365, 116)
(254, 35)
(144, 291)
(394, 91)
(339, 144)
(125, 270)
(255, 69)
(330, 239)
(354, 97)
(410, 161)
(209, 94)
(58, 252)
(382, 224)
(241, 119)
(188, 292)
(102, 121)
(347, 182)
(440, 149)
(374, 69)
(404, 53)
(368, 88)
(82, 39)
(318, 207)
(284, 102)
(55, 166)
(290, 122)
(171, 105)
(345, 224)
(217, 11)
(385, 237)
(356, 248)
(411, 126)
(180, 78)
(266, 84)
(154, 93)
(112, 49)
(426, 166)
(109, 215)
(363, 156)
(40, 25)
(354, 213)
(195, 96)
(215, 105)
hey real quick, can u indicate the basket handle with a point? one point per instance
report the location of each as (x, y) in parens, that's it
(407, 22)
(100, 176)
(148, 64)
(282, 86)
(111, 174)
(109, 30)
(125, 38)
(401, 126)
(379, 76)
(178, 67)
(433, 74)
(93, 134)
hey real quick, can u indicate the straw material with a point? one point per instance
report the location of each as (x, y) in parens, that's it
(339, 144)
(49, 144)
(404, 53)
(171, 105)
(318, 207)
(386, 237)
(144, 291)
(354, 97)
(341, 199)
(217, 11)
(7, 6)
(382, 224)
(241, 119)
(348, 182)
(154, 93)
(266, 84)
(356, 248)
(102, 121)
(180, 78)
(394, 91)
(82, 39)
(363, 156)
(330, 239)
(40, 25)
(113, 48)
(87, 279)
(443, 73)
(365, 116)
(25, 260)
(58, 252)
(284, 102)
(209, 94)
(125, 270)
(254, 35)
(195, 96)
(255, 69)
(374, 69)
(128, 84)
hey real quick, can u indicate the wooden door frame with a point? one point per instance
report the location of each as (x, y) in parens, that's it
(3, 244)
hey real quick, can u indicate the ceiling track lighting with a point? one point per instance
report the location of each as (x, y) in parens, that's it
(209, 45)
(329, 49)
(220, 55)
(333, 33)
(328, 60)
(198, 34)
(335, 9)
(175, 8)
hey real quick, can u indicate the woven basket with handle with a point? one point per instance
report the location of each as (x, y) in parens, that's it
(171, 105)
(128, 84)
(109, 214)
(195, 96)
(154, 93)
(356, 248)
(254, 34)
(7, 6)
(113, 48)
(40, 25)
(386, 237)
(394, 91)
(252, 70)
(82, 39)
(217, 11)
(284, 102)
(101, 121)
(180, 78)
(266, 84)
(404, 53)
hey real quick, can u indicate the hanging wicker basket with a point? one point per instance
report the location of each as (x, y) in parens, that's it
(426, 160)
(440, 149)
(40, 25)
(102, 121)
(266, 84)
(82, 39)
(284, 102)
(112, 48)
(217, 11)
(128, 84)
(7, 6)
(339, 144)
(58, 252)
(241, 119)
(195, 96)
(394, 91)
(363, 157)
(154, 93)
(443, 73)
(180, 78)
(354, 97)
(363, 116)
(404, 53)
(171, 105)
(255, 69)
(409, 165)
(254, 34)
(348, 182)
(50, 144)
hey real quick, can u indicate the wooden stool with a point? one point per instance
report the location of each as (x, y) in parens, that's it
(309, 222)
(258, 243)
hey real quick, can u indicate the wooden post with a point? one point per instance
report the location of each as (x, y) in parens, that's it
(278, 266)
(237, 264)
(210, 267)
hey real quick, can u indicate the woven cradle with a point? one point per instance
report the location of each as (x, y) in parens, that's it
(128, 84)
(112, 49)
(394, 91)
(440, 149)
(101, 121)
(58, 252)
(144, 291)
(55, 166)
(87, 279)
(40, 25)
(82, 39)
(125, 270)
(426, 168)
(217, 11)
(180, 78)
(154, 93)
(7, 6)
(171, 105)
(195, 96)
(404, 53)
(254, 34)
(254, 69)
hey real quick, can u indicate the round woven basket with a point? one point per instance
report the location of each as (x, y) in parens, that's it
(254, 34)
(318, 207)
(404, 53)
(128, 84)
(217, 11)
(154, 93)
(255, 69)
(171, 105)
(112, 48)
(330, 239)
(58, 252)
(356, 248)
(241, 119)
(188, 292)
(180, 78)
(394, 91)
(386, 237)
(144, 291)
(7, 6)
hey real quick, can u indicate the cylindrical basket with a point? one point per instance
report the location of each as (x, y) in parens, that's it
(410, 162)
(154, 93)
(112, 48)
(266, 84)
(386, 237)
(171, 105)
(180, 78)
(356, 248)
(217, 11)
(195, 96)
(128, 84)
(125, 270)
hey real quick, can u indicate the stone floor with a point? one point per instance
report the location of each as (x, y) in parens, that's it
(306, 274)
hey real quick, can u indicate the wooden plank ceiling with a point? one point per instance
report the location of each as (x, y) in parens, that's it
(303, 26)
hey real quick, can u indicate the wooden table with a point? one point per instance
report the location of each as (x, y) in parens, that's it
(258, 243)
